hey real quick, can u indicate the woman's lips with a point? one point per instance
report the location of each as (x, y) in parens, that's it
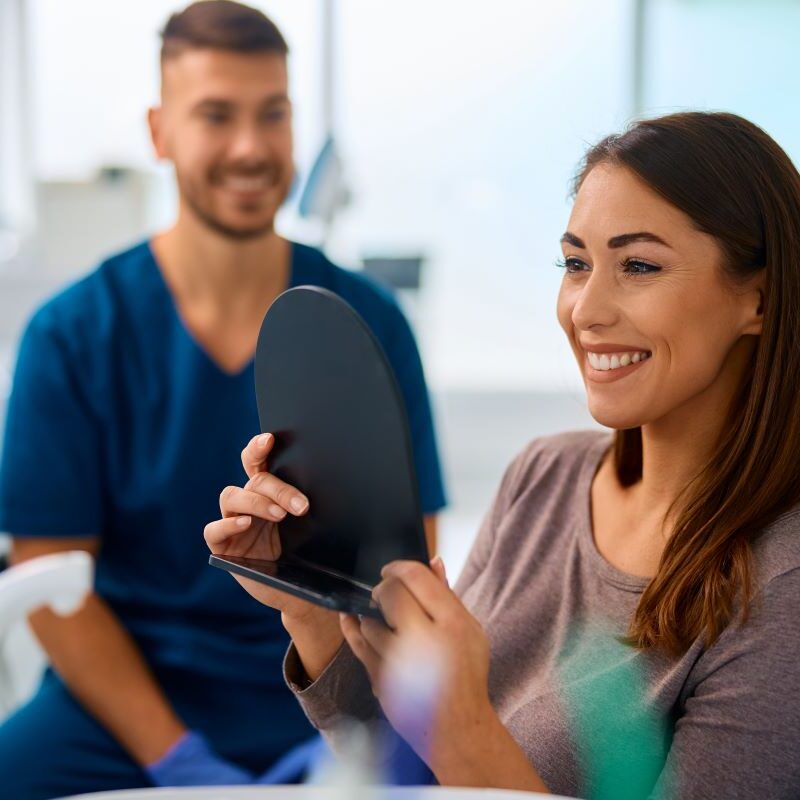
(611, 375)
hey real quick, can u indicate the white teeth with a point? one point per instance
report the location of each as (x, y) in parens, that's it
(247, 184)
(604, 362)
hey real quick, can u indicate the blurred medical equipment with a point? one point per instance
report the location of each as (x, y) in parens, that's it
(60, 581)
(325, 192)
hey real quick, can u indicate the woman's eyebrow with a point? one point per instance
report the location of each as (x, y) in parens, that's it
(616, 242)
(628, 238)
(571, 238)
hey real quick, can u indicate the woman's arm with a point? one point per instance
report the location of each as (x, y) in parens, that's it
(486, 757)
(739, 735)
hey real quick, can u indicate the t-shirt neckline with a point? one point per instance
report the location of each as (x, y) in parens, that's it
(178, 320)
(605, 570)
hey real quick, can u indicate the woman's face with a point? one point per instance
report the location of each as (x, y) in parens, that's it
(654, 323)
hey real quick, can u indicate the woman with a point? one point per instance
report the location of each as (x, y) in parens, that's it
(628, 620)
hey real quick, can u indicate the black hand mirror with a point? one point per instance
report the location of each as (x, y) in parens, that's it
(327, 392)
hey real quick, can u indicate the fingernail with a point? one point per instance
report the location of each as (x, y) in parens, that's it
(243, 522)
(263, 440)
(299, 504)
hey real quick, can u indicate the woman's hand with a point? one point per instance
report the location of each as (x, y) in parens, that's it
(425, 616)
(249, 527)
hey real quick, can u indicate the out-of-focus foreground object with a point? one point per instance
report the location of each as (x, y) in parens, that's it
(60, 581)
(316, 793)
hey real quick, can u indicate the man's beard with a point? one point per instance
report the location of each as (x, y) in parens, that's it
(215, 224)
(229, 232)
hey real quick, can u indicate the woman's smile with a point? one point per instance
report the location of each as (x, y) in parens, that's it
(610, 362)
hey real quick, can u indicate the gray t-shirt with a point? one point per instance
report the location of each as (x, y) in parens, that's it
(598, 718)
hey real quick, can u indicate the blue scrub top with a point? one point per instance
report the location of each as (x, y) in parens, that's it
(120, 426)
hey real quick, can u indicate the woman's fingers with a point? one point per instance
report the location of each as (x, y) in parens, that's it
(436, 599)
(377, 635)
(398, 605)
(437, 565)
(280, 492)
(235, 501)
(254, 461)
(362, 650)
(220, 531)
(254, 455)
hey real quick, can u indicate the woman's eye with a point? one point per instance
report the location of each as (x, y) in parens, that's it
(572, 264)
(633, 266)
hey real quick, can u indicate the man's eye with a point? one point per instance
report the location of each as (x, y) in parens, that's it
(633, 266)
(274, 116)
(215, 118)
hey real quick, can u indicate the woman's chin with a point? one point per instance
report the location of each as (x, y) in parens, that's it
(614, 417)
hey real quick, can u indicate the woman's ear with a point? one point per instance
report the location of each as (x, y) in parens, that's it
(755, 311)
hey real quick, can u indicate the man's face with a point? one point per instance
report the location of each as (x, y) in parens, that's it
(225, 122)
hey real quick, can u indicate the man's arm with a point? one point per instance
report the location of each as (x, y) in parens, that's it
(102, 665)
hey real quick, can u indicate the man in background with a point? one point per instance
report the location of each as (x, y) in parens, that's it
(132, 389)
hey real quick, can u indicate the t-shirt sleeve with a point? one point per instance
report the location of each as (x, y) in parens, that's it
(740, 734)
(407, 366)
(50, 469)
(481, 548)
(341, 693)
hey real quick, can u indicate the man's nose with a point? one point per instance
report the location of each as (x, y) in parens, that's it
(247, 144)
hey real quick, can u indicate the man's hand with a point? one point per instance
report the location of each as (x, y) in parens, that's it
(191, 762)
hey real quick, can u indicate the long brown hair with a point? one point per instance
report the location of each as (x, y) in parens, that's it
(736, 184)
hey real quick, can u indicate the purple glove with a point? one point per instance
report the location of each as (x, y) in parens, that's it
(191, 762)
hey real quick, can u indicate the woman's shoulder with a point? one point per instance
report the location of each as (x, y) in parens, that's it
(533, 506)
(558, 457)
(566, 444)
(776, 550)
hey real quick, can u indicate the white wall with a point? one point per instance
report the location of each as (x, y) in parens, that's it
(463, 122)
(730, 55)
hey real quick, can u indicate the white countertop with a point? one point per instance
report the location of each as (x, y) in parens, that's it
(313, 793)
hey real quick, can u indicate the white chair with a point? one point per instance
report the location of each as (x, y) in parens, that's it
(59, 580)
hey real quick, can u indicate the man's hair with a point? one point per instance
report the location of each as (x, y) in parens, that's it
(221, 25)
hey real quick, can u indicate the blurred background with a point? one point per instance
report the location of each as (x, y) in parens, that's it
(435, 142)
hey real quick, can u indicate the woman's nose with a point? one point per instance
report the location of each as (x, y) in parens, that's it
(596, 304)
